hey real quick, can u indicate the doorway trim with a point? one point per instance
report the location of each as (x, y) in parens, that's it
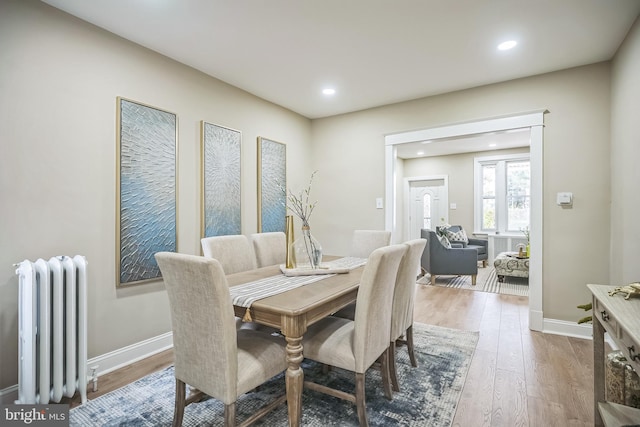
(533, 120)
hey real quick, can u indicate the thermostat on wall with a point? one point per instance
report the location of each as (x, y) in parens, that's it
(565, 199)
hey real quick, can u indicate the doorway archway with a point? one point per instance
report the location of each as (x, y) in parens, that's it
(532, 120)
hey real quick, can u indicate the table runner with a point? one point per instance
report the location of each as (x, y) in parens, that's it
(246, 294)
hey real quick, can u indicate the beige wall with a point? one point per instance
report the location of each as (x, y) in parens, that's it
(59, 79)
(625, 155)
(460, 169)
(576, 159)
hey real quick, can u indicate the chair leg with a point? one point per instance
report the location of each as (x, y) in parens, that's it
(178, 410)
(386, 375)
(392, 366)
(484, 263)
(360, 401)
(230, 415)
(412, 355)
(473, 279)
(433, 280)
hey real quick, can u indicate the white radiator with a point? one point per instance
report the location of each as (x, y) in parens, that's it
(503, 243)
(52, 322)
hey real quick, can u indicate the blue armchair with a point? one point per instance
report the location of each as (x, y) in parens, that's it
(480, 245)
(440, 260)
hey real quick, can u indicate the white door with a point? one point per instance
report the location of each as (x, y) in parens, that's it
(428, 205)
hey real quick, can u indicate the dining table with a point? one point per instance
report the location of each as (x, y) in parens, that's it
(292, 311)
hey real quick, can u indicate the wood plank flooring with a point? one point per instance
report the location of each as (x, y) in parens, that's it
(517, 377)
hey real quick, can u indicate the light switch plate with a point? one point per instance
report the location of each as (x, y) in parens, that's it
(379, 203)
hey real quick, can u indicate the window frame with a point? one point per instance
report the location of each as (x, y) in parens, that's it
(501, 214)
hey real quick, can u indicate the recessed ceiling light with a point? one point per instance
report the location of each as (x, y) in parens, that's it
(507, 45)
(329, 91)
(493, 144)
(420, 153)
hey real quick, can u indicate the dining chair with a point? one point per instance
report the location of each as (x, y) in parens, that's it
(209, 353)
(402, 308)
(234, 252)
(355, 345)
(363, 242)
(270, 248)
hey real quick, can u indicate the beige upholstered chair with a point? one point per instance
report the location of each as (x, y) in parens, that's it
(234, 252)
(364, 242)
(355, 345)
(270, 248)
(403, 298)
(210, 354)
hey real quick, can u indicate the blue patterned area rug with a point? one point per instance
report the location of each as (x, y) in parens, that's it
(428, 397)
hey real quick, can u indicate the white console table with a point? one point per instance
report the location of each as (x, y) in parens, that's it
(621, 319)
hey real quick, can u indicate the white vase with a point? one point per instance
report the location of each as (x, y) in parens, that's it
(307, 250)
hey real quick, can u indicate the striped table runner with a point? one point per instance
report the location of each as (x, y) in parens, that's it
(246, 294)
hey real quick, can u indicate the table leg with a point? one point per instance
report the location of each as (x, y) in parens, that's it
(294, 375)
(598, 368)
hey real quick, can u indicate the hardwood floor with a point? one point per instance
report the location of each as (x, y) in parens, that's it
(517, 377)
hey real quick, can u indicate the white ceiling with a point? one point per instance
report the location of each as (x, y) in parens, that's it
(373, 52)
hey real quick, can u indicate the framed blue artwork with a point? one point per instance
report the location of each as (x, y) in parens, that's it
(147, 196)
(221, 168)
(272, 178)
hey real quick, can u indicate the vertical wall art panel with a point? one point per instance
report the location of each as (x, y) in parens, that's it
(272, 177)
(147, 172)
(220, 180)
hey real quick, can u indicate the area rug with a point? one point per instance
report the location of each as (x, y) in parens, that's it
(487, 281)
(428, 397)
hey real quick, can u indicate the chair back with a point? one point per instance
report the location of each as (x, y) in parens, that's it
(372, 325)
(270, 248)
(433, 246)
(204, 328)
(234, 252)
(404, 294)
(364, 242)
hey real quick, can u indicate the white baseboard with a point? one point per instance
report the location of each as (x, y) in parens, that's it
(569, 329)
(9, 395)
(110, 361)
(127, 355)
(572, 329)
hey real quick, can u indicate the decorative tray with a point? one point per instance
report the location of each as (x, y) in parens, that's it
(323, 269)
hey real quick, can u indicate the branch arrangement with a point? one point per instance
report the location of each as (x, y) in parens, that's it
(299, 204)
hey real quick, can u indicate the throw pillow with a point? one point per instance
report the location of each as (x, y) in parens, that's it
(457, 236)
(445, 242)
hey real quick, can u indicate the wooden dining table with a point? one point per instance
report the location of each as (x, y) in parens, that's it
(292, 312)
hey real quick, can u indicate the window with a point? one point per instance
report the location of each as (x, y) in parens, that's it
(427, 211)
(502, 193)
